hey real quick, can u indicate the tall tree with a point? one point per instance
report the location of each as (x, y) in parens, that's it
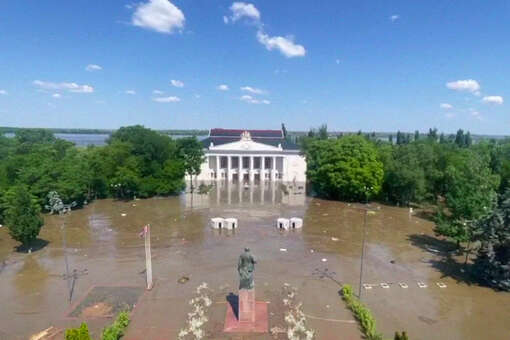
(192, 153)
(470, 194)
(492, 264)
(346, 168)
(22, 214)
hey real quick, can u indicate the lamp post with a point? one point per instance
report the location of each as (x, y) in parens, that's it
(362, 253)
(366, 209)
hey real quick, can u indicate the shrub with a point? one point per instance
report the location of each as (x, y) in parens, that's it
(81, 333)
(116, 330)
(361, 313)
(402, 336)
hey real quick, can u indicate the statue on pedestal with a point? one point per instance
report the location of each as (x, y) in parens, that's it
(245, 267)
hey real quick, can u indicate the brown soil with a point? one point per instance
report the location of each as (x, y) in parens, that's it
(98, 310)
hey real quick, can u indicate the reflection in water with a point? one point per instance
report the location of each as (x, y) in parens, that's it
(232, 193)
(31, 278)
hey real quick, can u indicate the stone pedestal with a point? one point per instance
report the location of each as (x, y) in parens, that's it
(246, 305)
(245, 315)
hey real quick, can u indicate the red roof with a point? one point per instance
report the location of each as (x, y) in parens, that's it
(254, 133)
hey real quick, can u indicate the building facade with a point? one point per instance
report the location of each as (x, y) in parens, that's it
(251, 156)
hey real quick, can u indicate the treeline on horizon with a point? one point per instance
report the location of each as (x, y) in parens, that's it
(464, 184)
(175, 132)
(293, 135)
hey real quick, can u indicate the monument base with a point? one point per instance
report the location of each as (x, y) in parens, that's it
(260, 325)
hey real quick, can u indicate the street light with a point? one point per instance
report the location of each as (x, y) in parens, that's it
(366, 209)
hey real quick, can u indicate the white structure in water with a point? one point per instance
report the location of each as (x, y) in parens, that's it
(217, 222)
(282, 223)
(231, 223)
(296, 223)
(251, 156)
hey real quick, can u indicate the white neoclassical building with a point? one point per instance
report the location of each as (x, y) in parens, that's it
(251, 156)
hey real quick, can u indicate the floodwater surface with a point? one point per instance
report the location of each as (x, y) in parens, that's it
(104, 248)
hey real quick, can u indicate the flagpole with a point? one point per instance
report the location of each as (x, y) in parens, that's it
(148, 258)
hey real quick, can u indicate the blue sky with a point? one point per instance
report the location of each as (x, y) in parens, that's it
(370, 65)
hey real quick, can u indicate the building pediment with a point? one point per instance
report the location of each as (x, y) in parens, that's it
(245, 145)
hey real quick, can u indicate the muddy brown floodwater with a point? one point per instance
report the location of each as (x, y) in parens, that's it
(104, 248)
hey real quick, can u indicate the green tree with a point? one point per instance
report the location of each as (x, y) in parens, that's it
(81, 333)
(346, 168)
(22, 214)
(191, 152)
(470, 193)
(492, 264)
(404, 178)
(416, 135)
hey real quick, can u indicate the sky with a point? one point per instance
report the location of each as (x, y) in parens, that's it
(197, 64)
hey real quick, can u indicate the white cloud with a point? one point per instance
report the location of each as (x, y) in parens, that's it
(157, 92)
(56, 95)
(131, 92)
(225, 19)
(337, 61)
(158, 15)
(253, 90)
(468, 85)
(170, 99)
(286, 46)
(93, 67)
(446, 106)
(493, 100)
(177, 83)
(394, 17)
(249, 99)
(3, 92)
(242, 9)
(223, 87)
(71, 87)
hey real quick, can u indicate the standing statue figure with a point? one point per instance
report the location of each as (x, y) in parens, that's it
(245, 267)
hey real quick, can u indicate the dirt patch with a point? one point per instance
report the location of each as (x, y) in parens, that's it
(107, 301)
(98, 310)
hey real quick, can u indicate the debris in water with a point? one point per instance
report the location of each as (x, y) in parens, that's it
(123, 215)
(183, 279)
(403, 285)
(334, 239)
(440, 285)
(311, 250)
(324, 260)
(283, 249)
(392, 261)
(385, 285)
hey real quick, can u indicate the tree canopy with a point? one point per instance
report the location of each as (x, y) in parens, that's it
(346, 168)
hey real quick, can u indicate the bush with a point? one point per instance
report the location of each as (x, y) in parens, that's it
(361, 313)
(399, 336)
(81, 333)
(116, 330)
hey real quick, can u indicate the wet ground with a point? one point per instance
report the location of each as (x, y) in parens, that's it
(104, 247)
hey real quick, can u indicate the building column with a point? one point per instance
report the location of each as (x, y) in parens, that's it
(273, 170)
(229, 168)
(218, 168)
(251, 169)
(240, 171)
(262, 169)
